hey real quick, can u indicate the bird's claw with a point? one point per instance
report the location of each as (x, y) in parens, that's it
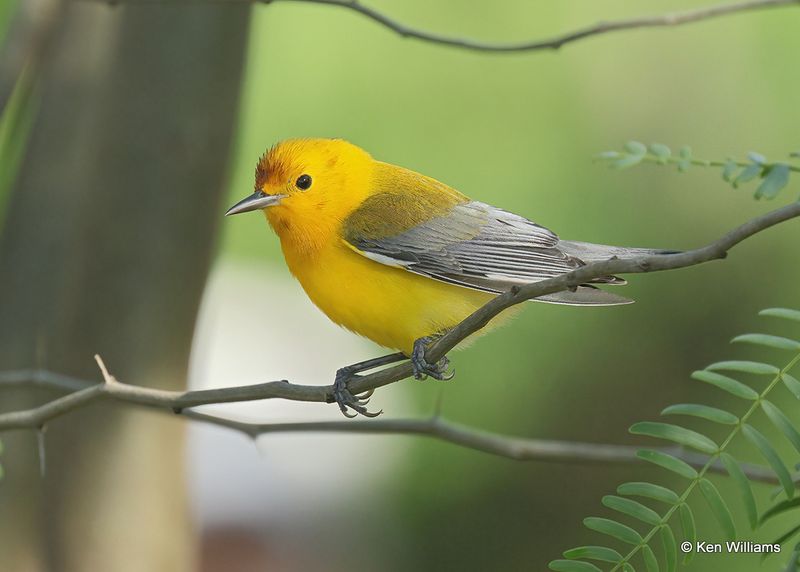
(354, 405)
(423, 369)
(438, 371)
(347, 401)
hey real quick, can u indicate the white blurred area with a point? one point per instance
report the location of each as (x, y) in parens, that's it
(259, 500)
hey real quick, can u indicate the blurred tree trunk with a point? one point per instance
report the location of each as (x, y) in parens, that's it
(105, 248)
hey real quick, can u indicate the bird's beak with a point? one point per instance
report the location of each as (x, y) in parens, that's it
(258, 200)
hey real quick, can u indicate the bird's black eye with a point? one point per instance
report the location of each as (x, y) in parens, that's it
(303, 182)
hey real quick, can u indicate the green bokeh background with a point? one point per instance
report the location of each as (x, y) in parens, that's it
(519, 131)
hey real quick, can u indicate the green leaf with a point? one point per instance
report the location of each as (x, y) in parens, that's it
(605, 155)
(769, 454)
(670, 548)
(600, 553)
(794, 560)
(689, 529)
(776, 342)
(676, 434)
(684, 166)
(668, 462)
(635, 148)
(749, 501)
(791, 384)
(718, 507)
(748, 174)
(627, 161)
(648, 490)
(756, 157)
(753, 367)
(776, 178)
(787, 535)
(783, 423)
(631, 508)
(726, 383)
(729, 169)
(650, 561)
(572, 566)
(785, 313)
(661, 151)
(702, 411)
(685, 152)
(626, 567)
(613, 529)
(780, 508)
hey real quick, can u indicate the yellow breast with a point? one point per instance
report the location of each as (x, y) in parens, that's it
(390, 306)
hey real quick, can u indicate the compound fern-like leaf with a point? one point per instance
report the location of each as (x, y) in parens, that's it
(718, 507)
(674, 461)
(746, 492)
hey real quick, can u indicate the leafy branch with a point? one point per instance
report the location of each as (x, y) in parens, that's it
(576, 558)
(774, 176)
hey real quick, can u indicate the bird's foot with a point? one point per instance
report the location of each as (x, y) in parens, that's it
(346, 400)
(423, 369)
(352, 405)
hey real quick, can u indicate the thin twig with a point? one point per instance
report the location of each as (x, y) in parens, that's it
(657, 21)
(517, 448)
(585, 274)
(522, 449)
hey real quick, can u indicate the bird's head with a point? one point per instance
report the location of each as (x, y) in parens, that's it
(309, 186)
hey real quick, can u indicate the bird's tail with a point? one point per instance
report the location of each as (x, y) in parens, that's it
(589, 252)
(588, 294)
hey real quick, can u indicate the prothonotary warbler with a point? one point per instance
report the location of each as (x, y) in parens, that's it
(399, 257)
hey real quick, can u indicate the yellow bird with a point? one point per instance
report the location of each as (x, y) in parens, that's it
(399, 257)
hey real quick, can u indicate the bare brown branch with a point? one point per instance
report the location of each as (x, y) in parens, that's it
(662, 20)
(518, 448)
(522, 449)
(657, 21)
(84, 392)
(714, 251)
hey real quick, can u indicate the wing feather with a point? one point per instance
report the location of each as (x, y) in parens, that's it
(474, 245)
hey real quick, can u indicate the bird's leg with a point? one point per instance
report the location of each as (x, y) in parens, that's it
(341, 392)
(422, 368)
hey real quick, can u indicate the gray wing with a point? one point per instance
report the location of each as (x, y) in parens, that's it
(481, 247)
